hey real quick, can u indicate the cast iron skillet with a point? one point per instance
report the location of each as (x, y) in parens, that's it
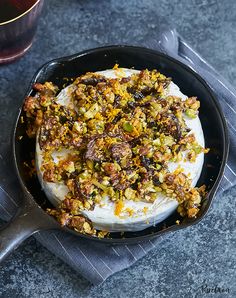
(32, 216)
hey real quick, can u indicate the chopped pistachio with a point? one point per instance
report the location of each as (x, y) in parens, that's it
(128, 127)
(191, 113)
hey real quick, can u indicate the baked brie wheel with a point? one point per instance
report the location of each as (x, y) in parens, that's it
(122, 148)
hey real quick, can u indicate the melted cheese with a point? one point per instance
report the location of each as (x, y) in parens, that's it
(133, 216)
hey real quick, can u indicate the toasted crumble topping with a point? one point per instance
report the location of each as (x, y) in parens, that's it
(121, 134)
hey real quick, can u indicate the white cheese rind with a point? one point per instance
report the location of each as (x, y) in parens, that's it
(103, 217)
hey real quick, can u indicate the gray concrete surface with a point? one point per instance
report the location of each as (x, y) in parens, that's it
(187, 262)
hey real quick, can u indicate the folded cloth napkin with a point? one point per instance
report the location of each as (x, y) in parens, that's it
(95, 261)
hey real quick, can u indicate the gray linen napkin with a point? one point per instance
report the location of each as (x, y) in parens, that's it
(95, 261)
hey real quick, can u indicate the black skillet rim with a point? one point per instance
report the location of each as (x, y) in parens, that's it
(135, 239)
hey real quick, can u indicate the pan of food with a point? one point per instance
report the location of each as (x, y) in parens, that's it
(116, 144)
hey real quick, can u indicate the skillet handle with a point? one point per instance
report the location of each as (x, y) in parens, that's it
(28, 220)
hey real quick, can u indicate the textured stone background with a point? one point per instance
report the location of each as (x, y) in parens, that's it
(186, 260)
